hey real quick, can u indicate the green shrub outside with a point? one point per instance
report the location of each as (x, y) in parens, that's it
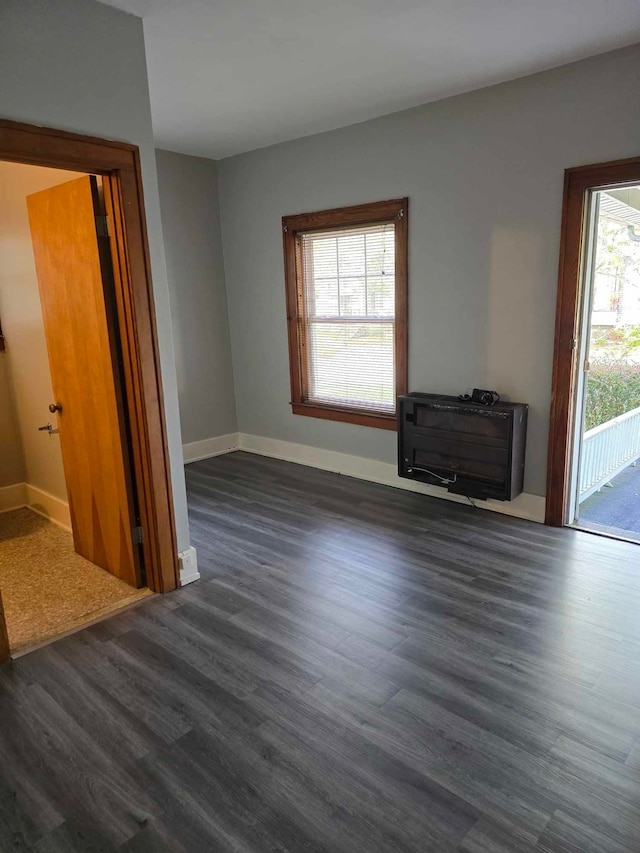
(613, 388)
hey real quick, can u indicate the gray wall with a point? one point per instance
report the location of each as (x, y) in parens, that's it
(484, 176)
(12, 468)
(193, 249)
(81, 66)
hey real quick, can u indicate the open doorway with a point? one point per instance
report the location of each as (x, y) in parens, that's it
(594, 442)
(103, 355)
(605, 475)
(66, 475)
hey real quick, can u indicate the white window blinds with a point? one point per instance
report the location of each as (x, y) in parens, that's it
(349, 317)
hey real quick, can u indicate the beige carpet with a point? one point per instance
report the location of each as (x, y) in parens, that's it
(47, 589)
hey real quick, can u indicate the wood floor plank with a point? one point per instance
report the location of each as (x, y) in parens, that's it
(74, 773)
(115, 729)
(566, 834)
(17, 827)
(486, 837)
(72, 838)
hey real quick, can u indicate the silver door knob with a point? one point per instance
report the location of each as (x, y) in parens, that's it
(55, 407)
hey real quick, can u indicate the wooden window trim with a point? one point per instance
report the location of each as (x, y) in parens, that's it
(394, 210)
(577, 183)
(119, 164)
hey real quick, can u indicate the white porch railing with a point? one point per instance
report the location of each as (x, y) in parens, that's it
(608, 449)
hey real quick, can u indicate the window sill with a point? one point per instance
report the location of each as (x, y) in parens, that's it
(350, 416)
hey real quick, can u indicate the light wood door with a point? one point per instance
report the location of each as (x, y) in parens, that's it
(73, 264)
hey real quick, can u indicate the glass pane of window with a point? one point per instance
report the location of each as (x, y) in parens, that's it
(325, 257)
(381, 256)
(349, 288)
(352, 364)
(325, 297)
(381, 296)
(351, 254)
(353, 294)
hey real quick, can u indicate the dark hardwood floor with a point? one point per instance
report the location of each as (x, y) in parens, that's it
(359, 669)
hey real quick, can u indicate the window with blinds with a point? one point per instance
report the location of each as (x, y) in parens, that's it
(345, 283)
(349, 316)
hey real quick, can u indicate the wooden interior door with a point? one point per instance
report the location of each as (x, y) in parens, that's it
(73, 264)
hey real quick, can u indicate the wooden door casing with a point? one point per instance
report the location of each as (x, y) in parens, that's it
(577, 184)
(119, 165)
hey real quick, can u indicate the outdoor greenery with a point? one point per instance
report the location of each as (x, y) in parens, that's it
(613, 389)
(621, 340)
(613, 386)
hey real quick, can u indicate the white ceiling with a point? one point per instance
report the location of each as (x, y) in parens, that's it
(228, 76)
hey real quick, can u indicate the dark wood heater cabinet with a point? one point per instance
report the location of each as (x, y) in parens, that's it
(468, 448)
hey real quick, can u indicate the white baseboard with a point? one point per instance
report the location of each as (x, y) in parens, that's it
(528, 506)
(216, 446)
(188, 566)
(25, 495)
(531, 507)
(13, 497)
(48, 506)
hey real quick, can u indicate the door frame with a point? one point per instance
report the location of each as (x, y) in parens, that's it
(119, 165)
(578, 182)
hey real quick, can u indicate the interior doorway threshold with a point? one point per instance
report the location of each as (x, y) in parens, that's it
(81, 625)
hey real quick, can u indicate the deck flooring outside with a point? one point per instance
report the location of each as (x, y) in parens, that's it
(615, 509)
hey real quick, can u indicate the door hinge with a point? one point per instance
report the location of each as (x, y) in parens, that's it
(574, 343)
(136, 535)
(587, 365)
(102, 226)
